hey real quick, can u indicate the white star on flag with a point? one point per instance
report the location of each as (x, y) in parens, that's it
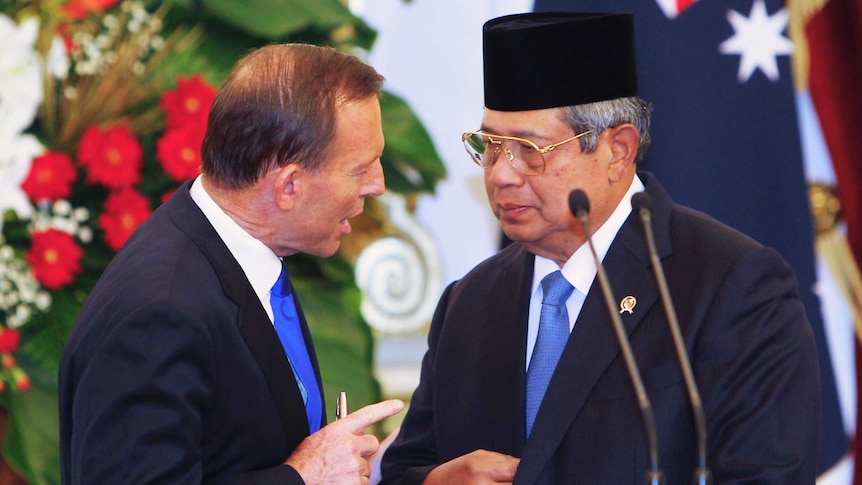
(758, 39)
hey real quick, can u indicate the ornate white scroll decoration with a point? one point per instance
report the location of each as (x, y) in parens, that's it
(399, 276)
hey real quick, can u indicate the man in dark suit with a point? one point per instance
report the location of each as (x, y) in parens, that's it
(177, 370)
(562, 113)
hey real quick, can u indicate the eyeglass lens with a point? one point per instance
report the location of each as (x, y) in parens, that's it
(524, 157)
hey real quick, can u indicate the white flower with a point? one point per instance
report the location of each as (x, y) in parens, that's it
(43, 300)
(20, 293)
(81, 214)
(20, 76)
(58, 59)
(85, 234)
(110, 22)
(62, 207)
(16, 155)
(22, 314)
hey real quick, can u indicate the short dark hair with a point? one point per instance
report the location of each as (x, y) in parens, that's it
(277, 106)
(601, 115)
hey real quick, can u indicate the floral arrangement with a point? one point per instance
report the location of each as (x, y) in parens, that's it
(103, 106)
(92, 138)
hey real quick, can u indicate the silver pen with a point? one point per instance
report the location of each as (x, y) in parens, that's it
(341, 406)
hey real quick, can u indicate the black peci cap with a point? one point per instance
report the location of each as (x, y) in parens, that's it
(554, 59)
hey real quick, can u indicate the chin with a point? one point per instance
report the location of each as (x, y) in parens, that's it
(329, 251)
(516, 235)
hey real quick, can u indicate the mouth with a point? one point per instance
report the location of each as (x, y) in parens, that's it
(511, 210)
(344, 224)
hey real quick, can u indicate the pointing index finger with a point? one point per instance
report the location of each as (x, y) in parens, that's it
(362, 418)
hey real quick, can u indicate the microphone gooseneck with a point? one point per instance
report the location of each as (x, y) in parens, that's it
(579, 205)
(642, 204)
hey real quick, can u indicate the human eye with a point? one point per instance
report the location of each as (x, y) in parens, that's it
(526, 146)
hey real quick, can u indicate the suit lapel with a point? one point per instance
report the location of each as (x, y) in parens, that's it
(504, 351)
(253, 323)
(593, 345)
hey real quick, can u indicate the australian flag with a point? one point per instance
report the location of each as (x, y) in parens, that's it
(725, 133)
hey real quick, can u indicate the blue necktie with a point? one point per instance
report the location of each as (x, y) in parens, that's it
(289, 332)
(552, 337)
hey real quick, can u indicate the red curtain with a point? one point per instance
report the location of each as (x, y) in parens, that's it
(834, 37)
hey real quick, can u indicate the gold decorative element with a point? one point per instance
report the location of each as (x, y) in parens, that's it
(825, 206)
(627, 304)
(799, 12)
(831, 246)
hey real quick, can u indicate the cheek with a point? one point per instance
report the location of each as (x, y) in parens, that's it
(345, 197)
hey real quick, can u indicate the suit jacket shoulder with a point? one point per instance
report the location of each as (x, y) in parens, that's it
(170, 369)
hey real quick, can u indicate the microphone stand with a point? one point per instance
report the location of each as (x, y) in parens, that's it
(580, 207)
(702, 476)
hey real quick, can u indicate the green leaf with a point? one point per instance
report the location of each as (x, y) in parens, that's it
(342, 340)
(31, 444)
(278, 19)
(410, 161)
(45, 334)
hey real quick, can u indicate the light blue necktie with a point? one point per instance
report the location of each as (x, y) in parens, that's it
(289, 332)
(552, 337)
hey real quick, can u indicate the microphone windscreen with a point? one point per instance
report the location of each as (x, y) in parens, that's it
(641, 200)
(578, 202)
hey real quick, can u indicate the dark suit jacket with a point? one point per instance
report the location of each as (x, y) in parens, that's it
(173, 372)
(752, 351)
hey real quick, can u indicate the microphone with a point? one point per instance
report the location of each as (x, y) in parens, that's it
(642, 204)
(580, 207)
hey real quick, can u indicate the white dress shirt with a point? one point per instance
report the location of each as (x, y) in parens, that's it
(580, 269)
(260, 265)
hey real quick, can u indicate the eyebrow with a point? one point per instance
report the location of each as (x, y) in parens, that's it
(528, 134)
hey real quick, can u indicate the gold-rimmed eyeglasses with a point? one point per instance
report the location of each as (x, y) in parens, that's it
(526, 156)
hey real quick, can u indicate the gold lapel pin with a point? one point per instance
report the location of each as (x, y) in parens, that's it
(627, 304)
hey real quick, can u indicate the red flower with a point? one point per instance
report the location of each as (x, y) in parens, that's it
(22, 380)
(125, 210)
(112, 157)
(10, 339)
(65, 33)
(54, 258)
(51, 176)
(78, 9)
(189, 105)
(179, 152)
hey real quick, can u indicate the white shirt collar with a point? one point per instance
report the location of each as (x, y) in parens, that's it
(260, 265)
(580, 269)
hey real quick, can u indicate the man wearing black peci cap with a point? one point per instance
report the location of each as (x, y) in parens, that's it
(524, 380)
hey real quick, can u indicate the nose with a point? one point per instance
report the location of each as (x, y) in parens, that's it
(376, 185)
(502, 173)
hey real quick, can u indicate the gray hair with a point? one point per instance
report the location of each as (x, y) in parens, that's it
(608, 114)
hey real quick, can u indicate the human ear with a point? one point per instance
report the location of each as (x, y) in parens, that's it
(624, 147)
(286, 186)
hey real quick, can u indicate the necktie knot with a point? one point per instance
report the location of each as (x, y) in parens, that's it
(280, 289)
(556, 289)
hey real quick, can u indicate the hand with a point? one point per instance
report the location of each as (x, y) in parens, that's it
(478, 467)
(339, 452)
